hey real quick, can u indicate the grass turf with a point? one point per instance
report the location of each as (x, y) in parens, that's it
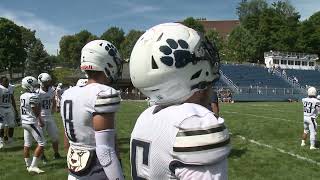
(275, 124)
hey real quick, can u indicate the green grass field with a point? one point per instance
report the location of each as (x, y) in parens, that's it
(265, 140)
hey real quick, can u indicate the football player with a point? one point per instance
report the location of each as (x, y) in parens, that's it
(31, 122)
(58, 94)
(178, 137)
(88, 114)
(48, 106)
(311, 109)
(7, 116)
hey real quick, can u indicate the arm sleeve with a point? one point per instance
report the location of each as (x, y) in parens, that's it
(107, 101)
(200, 141)
(107, 156)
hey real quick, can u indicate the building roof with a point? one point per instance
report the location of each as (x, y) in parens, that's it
(223, 27)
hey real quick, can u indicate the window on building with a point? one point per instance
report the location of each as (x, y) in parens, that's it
(311, 63)
(276, 61)
(297, 63)
(283, 61)
(290, 62)
(304, 63)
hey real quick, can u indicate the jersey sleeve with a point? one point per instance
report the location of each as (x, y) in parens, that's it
(214, 172)
(107, 101)
(200, 141)
(34, 100)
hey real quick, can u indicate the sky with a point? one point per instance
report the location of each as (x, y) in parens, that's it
(53, 19)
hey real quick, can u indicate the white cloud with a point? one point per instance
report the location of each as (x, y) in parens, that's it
(48, 33)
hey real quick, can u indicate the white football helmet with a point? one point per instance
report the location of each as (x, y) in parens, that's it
(101, 55)
(312, 91)
(44, 77)
(82, 82)
(170, 62)
(29, 83)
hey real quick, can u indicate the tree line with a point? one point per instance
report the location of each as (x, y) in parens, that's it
(263, 27)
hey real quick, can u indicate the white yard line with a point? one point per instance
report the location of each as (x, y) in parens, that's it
(267, 117)
(281, 119)
(279, 150)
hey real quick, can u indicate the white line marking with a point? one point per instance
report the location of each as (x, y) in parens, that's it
(282, 119)
(280, 150)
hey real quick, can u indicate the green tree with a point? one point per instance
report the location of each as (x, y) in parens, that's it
(214, 37)
(309, 34)
(114, 35)
(71, 45)
(29, 40)
(12, 53)
(249, 11)
(219, 42)
(129, 42)
(194, 24)
(273, 27)
(38, 60)
(241, 45)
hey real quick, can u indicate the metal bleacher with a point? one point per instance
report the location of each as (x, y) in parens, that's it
(257, 83)
(305, 77)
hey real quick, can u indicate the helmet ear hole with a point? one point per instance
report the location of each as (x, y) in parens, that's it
(196, 75)
(154, 64)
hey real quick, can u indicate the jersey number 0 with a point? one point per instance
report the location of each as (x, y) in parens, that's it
(68, 124)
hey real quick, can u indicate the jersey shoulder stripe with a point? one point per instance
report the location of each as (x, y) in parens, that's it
(107, 101)
(201, 139)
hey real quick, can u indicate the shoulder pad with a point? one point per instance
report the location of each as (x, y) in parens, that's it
(202, 143)
(107, 101)
(34, 99)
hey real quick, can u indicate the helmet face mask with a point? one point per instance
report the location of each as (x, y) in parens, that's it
(101, 55)
(171, 61)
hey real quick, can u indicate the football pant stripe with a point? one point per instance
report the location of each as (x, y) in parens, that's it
(202, 148)
(35, 129)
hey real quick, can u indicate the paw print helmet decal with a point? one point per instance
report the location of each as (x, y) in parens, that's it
(29, 83)
(101, 55)
(170, 62)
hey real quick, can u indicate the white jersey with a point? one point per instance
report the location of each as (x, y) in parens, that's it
(311, 107)
(46, 101)
(177, 136)
(27, 101)
(78, 104)
(5, 96)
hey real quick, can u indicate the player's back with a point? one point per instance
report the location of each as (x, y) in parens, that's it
(157, 149)
(5, 96)
(78, 104)
(311, 106)
(46, 101)
(26, 101)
